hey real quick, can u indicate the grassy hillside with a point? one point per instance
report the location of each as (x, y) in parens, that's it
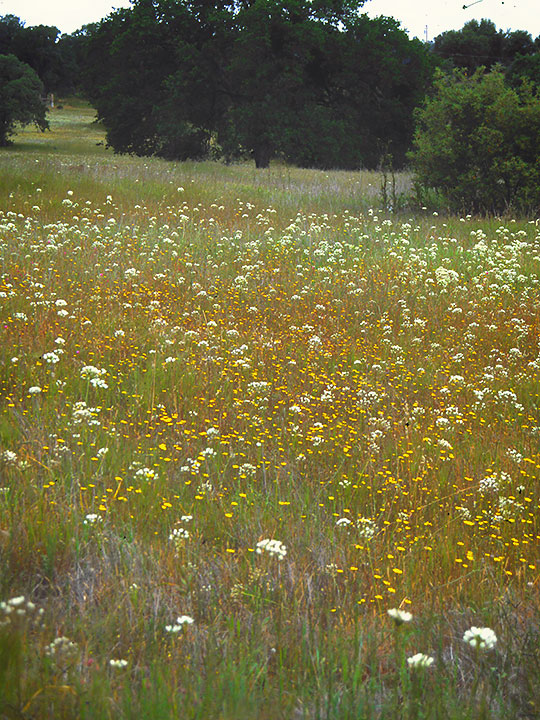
(243, 414)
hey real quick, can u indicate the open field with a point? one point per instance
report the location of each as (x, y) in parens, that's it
(196, 359)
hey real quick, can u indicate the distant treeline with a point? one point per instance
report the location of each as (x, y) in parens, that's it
(313, 82)
(58, 60)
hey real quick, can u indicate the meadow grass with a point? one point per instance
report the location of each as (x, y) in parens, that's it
(198, 358)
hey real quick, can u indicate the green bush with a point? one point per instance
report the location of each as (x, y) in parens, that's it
(477, 143)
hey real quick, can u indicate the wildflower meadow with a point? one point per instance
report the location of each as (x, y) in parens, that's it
(267, 450)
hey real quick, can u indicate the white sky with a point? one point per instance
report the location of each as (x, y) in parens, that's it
(441, 15)
(414, 15)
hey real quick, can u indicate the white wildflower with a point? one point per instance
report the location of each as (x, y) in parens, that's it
(445, 276)
(179, 534)
(62, 649)
(247, 470)
(480, 637)
(98, 383)
(9, 457)
(90, 371)
(399, 616)
(420, 661)
(315, 342)
(272, 547)
(179, 623)
(51, 357)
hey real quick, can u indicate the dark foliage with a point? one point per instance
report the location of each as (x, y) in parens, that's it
(524, 67)
(480, 44)
(311, 82)
(20, 97)
(56, 59)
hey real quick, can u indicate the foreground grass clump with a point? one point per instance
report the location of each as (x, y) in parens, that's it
(235, 433)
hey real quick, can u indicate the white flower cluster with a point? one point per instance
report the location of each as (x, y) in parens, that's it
(145, 473)
(9, 457)
(192, 466)
(62, 649)
(118, 664)
(420, 661)
(480, 637)
(399, 616)
(51, 357)
(514, 455)
(247, 470)
(179, 624)
(366, 528)
(241, 281)
(489, 483)
(82, 414)
(258, 387)
(445, 276)
(368, 398)
(327, 395)
(94, 375)
(272, 547)
(495, 482)
(315, 343)
(19, 608)
(179, 534)
(92, 519)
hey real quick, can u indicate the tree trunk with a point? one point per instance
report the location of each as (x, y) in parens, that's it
(4, 132)
(261, 155)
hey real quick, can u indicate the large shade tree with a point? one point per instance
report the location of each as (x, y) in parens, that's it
(20, 97)
(312, 82)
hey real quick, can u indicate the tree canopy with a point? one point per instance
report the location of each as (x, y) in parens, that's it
(313, 82)
(55, 58)
(480, 44)
(20, 97)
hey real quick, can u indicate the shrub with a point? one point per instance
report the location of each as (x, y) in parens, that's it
(477, 142)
